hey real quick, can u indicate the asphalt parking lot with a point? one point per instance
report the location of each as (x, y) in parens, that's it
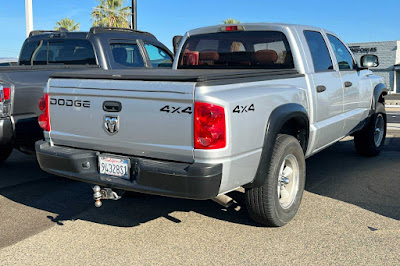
(350, 214)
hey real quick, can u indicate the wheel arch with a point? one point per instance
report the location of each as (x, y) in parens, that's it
(291, 119)
(379, 92)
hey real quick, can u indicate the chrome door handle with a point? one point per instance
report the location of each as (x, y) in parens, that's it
(321, 88)
(348, 84)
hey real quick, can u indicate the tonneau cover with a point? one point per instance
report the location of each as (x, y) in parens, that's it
(178, 75)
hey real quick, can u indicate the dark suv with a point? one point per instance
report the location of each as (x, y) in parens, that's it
(46, 52)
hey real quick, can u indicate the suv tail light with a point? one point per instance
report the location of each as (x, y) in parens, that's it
(5, 100)
(209, 126)
(7, 94)
(44, 118)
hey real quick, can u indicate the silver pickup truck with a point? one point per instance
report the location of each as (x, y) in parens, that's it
(243, 106)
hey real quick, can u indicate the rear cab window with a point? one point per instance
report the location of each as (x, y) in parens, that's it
(319, 51)
(63, 52)
(240, 49)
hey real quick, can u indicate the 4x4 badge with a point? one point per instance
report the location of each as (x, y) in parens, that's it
(111, 124)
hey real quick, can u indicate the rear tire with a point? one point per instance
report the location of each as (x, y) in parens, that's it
(277, 201)
(370, 140)
(5, 152)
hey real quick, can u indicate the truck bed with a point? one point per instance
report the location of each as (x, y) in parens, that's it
(199, 76)
(54, 67)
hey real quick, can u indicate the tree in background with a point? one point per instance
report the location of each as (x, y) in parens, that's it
(111, 13)
(231, 21)
(68, 24)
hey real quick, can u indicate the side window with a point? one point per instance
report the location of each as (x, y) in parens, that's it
(27, 52)
(319, 51)
(127, 55)
(343, 56)
(158, 57)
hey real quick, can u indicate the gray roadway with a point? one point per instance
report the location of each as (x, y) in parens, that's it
(350, 215)
(393, 117)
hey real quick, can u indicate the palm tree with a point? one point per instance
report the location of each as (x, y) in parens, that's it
(231, 21)
(111, 13)
(68, 24)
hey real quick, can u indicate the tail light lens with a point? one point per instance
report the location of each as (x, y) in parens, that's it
(44, 118)
(7, 94)
(5, 100)
(209, 126)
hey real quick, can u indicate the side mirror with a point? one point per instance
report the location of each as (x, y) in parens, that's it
(369, 60)
(176, 41)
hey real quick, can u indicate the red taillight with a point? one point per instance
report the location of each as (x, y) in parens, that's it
(209, 126)
(7, 93)
(42, 103)
(44, 119)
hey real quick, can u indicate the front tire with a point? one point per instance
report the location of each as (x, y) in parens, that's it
(370, 140)
(277, 201)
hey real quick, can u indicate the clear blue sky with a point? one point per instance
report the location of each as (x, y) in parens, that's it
(354, 21)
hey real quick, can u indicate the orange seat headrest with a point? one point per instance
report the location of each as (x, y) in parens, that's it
(208, 55)
(266, 56)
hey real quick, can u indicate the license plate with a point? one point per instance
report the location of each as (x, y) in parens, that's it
(113, 166)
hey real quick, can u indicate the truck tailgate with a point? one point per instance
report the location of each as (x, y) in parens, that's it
(155, 120)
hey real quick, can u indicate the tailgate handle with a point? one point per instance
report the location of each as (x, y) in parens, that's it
(110, 106)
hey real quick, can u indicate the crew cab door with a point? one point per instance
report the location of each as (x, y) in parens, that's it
(351, 81)
(327, 88)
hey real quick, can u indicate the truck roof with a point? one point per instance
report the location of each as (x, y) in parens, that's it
(114, 33)
(252, 26)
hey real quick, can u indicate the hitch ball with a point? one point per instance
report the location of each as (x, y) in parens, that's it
(98, 203)
(97, 196)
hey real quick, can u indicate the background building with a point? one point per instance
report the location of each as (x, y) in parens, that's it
(389, 60)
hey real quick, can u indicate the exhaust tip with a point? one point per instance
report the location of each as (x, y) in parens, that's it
(223, 200)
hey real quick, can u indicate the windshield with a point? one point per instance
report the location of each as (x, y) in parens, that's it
(239, 49)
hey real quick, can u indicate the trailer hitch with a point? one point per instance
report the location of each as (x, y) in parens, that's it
(104, 194)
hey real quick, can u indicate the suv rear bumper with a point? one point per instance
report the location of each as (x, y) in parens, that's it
(184, 180)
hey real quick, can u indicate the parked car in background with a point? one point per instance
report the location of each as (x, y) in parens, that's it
(8, 61)
(46, 52)
(243, 106)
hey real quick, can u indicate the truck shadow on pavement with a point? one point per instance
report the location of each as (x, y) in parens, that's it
(34, 191)
(338, 173)
(369, 183)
